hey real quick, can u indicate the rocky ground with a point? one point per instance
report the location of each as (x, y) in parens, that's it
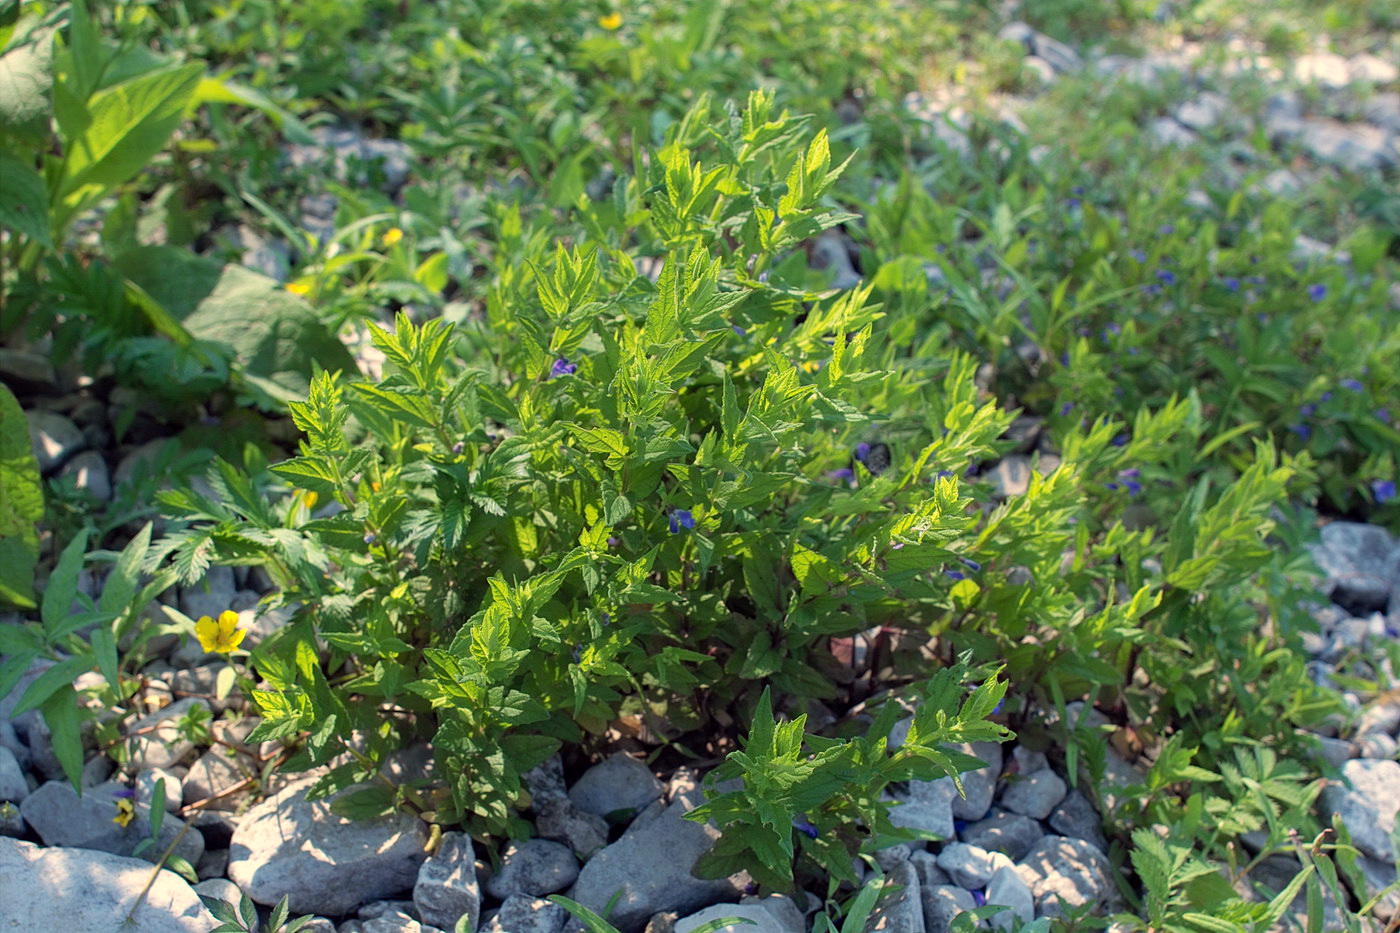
(1027, 835)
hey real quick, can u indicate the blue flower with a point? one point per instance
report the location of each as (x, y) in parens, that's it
(1001, 705)
(1111, 487)
(970, 564)
(959, 826)
(979, 897)
(1302, 430)
(1066, 408)
(1077, 189)
(1166, 276)
(1072, 203)
(955, 575)
(1153, 289)
(1383, 489)
(944, 474)
(1166, 229)
(1232, 283)
(1139, 255)
(1382, 415)
(1353, 385)
(1307, 410)
(844, 474)
(862, 451)
(1317, 292)
(803, 826)
(738, 330)
(1325, 397)
(562, 367)
(1121, 440)
(1064, 358)
(370, 537)
(1130, 479)
(681, 518)
(125, 793)
(578, 652)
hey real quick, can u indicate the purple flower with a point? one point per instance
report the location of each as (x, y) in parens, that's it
(1077, 189)
(1317, 292)
(862, 451)
(1166, 276)
(1064, 358)
(1232, 283)
(1001, 705)
(1255, 280)
(959, 826)
(578, 652)
(1153, 289)
(803, 826)
(1130, 480)
(1072, 203)
(1307, 410)
(612, 542)
(605, 617)
(944, 474)
(1138, 255)
(1302, 430)
(1166, 229)
(970, 564)
(897, 546)
(738, 330)
(681, 518)
(1382, 415)
(370, 537)
(1353, 385)
(458, 447)
(844, 474)
(562, 367)
(955, 575)
(1066, 408)
(126, 793)
(979, 897)
(1383, 490)
(1121, 440)
(1111, 487)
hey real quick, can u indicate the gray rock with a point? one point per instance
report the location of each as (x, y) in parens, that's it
(326, 863)
(202, 681)
(901, 906)
(1007, 888)
(10, 739)
(22, 369)
(1011, 476)
(1066, 873)
(156, 740)
(970, 866)
(545, 781)
(146, 788)
(210, 596)
(1203, 113)
(943, 903)
(55, 439)
(89, 473)
(558, 819)
(1335, 752)
(216, 771)
(396, 922)
(829, 252)
(1035, 794)
(1381, 716)
(319, 925)
(980, 785)
(1362, 564)
(536, 867)
(1281, 182)
(446, 888)
(220, 889)
(1384, 111)
(62, 818)
(350, 154)
(44, 759)
(92, 892)
(1075, 816)
(1376, 745)
(1044, 72)
(1372, 69)
(1378, 876)
(383, 908)
(1167, 132)
(1325, 69)
(1060, 56)
(214, 862)
(1009, 833)
(1306, 251)
(1354, 147)
(1368, 806)
(764, 921)
(926, 806)
(650, 865)
(13, 786)
(926, 867)
(619, 782)
(523, 914)
(788, 916)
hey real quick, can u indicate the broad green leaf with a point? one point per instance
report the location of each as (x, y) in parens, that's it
(63, 584)
(25, 205)
(64, 720)
(126, 573)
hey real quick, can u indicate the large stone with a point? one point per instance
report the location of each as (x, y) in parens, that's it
(210, 596)
(980, 785)
(941, 904)
(969, 866)
(23, 370)
(1009, 890)
(62, 818)
(214, 774)
(558, 819)
(86, 891)
(1325, 69)
(536, 867)
(157, 741)
(88, 472)
(765, 920)
(13, 786)
(1035, 794)
(901, 908)
(926, 806)
(1203, 113)
(446, 888)
(1075, 816)
(1372, 69)
(649, 868)
(1368, 806)
(1066, 873)
(521, 913)
(55, 439)
(1355, 147)
(1362, 563)
(1378, 876)
(618, 783)
(1009, 833)
(325, 864)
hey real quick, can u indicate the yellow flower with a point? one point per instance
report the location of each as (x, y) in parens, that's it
(222, 636)
(392, 236)
(298, 288)
(611, 20)
(126, 812)
(309, 498)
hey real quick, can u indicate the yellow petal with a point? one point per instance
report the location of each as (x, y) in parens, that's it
(392, 236)
(207, 632)
(298, 288)
(234, 639)
(611, 21)
(125, 813)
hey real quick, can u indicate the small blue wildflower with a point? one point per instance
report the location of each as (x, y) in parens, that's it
(612, 542)
(1353, 385)
(1066, 408)
(1083, 331)
(1317, 292)
(370, 537)
(1073, 203)
(458, 447)
(1134, 351)
(843, 475)
(562, 367)
(1113, 328)
(1261, 317)
(897, 546)
(738, 330)
(944, 474)
(862, 451)
(970, 564)
(1166, 229)
(605, 617)
(1307, 410)
(955, 575)
(1138, 255)
(1166, 276)
(1077, 189)
(1130, 478)
(803, 826)
(1382, 415)
(979, 897)
(1111, 487)
(1255, 280)
(1064, 358)
(1326, 397)
(1232, 283)
(1383, 490)
(681, 518)
(1001, 705)
(126, 793)
(1153, 289)
(1121, 440)
(1302, 430)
